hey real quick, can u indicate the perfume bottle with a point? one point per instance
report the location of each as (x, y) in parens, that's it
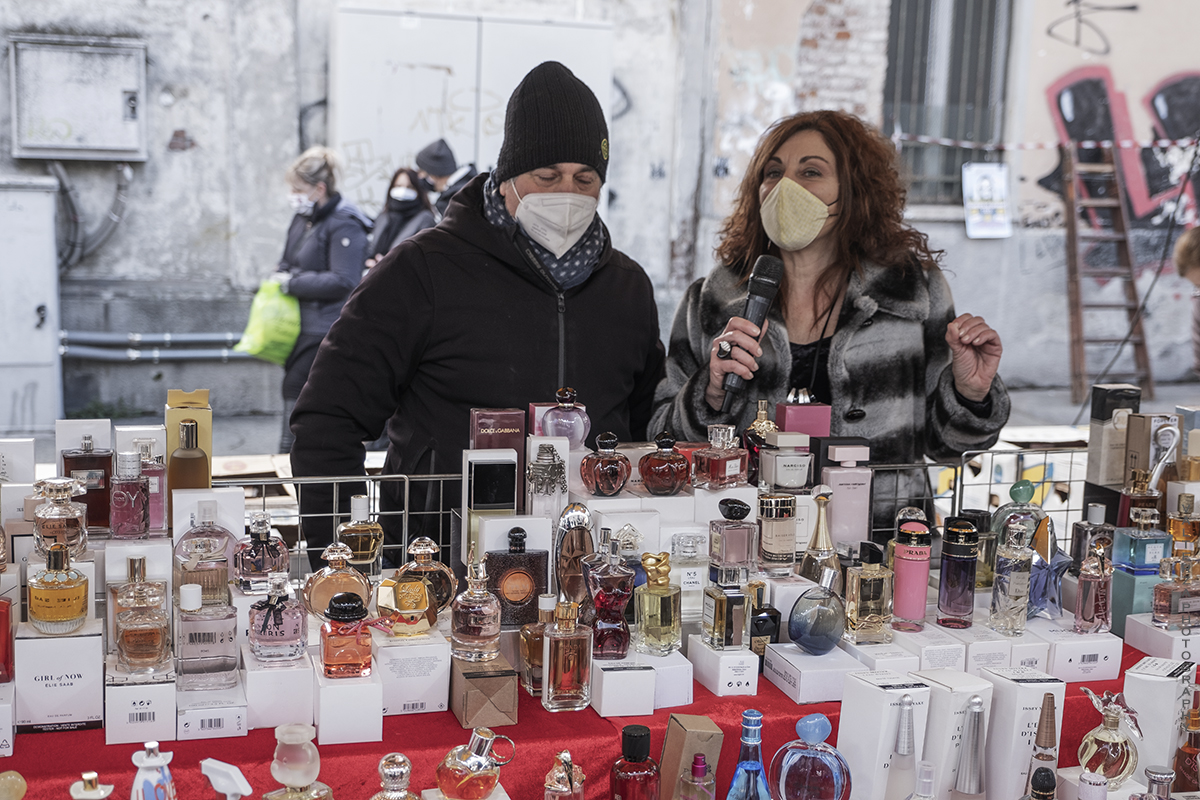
(1158, 783)
(546, 483)
(1010, 588)
(92, 467)
(1047, 568)
(155, 472)
(296, 765)
(475, 617)
(346, 638)
(968, 778)
(395, 773)
(1106, 749)
(1176, 599)
(565, 780)
(914, 541)
(697, 782)
(784, 462)
(850, 505)
(206, 655)
(982, 520)
(1084, 531)
(153, 779)
(923, 786)
(204, 555)
(721, 464)
(440, 577)
(635, 775)
(818, 618)
(689, 571)
(335, 577)
(960, 562)
(604, 472)
(750, 775)
(87, 788)
(406, 603)
(533, 635)
(567, 419)
(660, 628)
(610, 586)
(725, 623)
(1093, 597)
(765, 621)
(869, 598)
(820, 554)
(1184, 526)
(572, 542)
(1021, 508)
(142, 625)
(135, 573)
(58, 594)
(471, 771)
(1045, 742)
(665, 471)
(776, 534)
(517, 576)
(363, 537)
(278, 624)
(566, 661)
(901, 768)
(1138, 493)
(809, 768)
(187, 468)
(1043, 785)
(1139, 548)
(259, 556)
(754, 438)
(129, 499)
(1092, 786)
(59, 519)
(1187, 778)
(732, 542)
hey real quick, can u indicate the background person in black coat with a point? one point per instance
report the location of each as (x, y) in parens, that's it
(406, 211)
(442, 176)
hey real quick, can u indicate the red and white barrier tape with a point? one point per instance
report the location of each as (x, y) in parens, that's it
(1085, 144)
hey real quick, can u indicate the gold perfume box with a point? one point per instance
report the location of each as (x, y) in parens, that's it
(483, 694)
(183, 405)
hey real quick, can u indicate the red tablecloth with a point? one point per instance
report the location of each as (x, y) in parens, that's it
(50, 762)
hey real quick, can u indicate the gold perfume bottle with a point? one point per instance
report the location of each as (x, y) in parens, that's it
(363, 537)
(335, 577)
(58, 598)
(407, 603)
(657, 604)
(440, 577)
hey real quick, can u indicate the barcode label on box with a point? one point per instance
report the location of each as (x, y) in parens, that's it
(416, 707)
(212, 724)
(203, 637)
(1089, 658)
(142, 716)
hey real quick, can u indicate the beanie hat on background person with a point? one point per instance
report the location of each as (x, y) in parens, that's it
(437, 159)
(552, 118)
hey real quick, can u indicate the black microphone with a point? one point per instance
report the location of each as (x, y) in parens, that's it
(764, 285)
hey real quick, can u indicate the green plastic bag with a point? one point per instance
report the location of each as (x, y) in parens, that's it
(274, 325)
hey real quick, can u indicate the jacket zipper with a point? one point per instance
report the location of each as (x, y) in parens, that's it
(542, 272)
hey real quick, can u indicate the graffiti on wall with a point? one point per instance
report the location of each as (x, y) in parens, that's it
(1083, 27)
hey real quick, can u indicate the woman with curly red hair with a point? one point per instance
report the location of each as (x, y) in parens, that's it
(863, 321)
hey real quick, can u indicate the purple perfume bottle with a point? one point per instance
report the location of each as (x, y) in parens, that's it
(960, 562)
(567, 419)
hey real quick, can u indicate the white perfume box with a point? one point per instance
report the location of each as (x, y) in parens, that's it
(723, 672)
(783, 594)
(1157, 689)
(623, 500)
(672, 679)
(1017, 695)
(277, 693)
(1077, 656)
(985, 648)
(231, 509)
(1068, 785)
(634, 452)
(211, 714)
(15, 501)
(69, 433)
(1030, 652)
(20, 554)
(950, 692)
(869, 722)
(17, 461)
(348, 709)
(138, 708)
(1142, 634)
(436, 794)
(623, 688)
(935, 648)
(648, 524)
(60, 679)
(708, 502)
(806, 678)
(7, 715)
(123, 436)
(676, 508)
(415, 671)
(883, 656)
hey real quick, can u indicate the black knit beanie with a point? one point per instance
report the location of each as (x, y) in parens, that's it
(552, 118)
(437, 159)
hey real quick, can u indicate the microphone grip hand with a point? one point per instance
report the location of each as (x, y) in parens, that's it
(740, 365)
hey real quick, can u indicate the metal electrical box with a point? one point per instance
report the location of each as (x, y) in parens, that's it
(76, 97)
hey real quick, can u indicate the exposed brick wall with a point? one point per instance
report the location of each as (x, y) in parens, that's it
(841, 57)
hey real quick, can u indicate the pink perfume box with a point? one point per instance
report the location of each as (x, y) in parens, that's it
(501, 428)
(810, 418)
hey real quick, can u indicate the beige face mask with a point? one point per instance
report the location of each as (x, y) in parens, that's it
(792, 215)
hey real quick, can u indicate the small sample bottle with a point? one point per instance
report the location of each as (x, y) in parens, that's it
(59, 519)
(1187, 779)
(206, 548)
(1184, 526)
(722, 464)
(914, 542)
(923, 786)
(532, 636)
(471, 771)
(143, 627)
(697, 782)
(58, 594)
(605, 471)
(1045, 742)
(807, 766)
(755, 441)
(278, 624)
(153, 778)
(776, 534)
(440, 577)
(1139, 548)
(395, 774)
(869, 598)
(1084, 531)
(725, 624)
(1093, 597)
(88, 787)
(517, 576)
(785, 462)
(765, 621)
(1092, 786)
(818, 619)
(665, 471)
(296, 765)
(821, 554)
(968, 778)
(565, 780)
(960, 562)
(750, 775)
(155, 472)
(345, 639)
(1159, 781)
(567, 419)
(902, 767)
(187, 468)
(1106, 749)
(335, 577)
(732, 541)
(475, 617)
(363, 537)
(259, 556)
(1138, 493)
(566, 661)
(657, 604)
(689, 571)
(92, 467)
(850, 505)
(546, 483)
(610, 586)
(1010, 588)
(634, 776)
(129, 500)
(206, 653)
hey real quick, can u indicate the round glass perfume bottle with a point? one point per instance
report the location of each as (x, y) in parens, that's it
(604, 472)
(567, 419)
(818, 619)
(471, 771)
(809, 768)
(440, 577)
(335, 577)
(1106, 749)
(665, 471)
(296, 765)
(395, 771)
(60, 519)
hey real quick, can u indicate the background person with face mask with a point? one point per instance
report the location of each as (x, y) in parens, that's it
(863, 321)
(441, 175)
(518, 291)
(321, 264)
(406, 211)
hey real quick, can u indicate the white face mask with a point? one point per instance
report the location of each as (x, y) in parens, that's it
(402, 193)
(301, 203)
(792, 215)
(555, 220)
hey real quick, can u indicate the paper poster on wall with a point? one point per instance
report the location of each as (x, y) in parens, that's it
(985, 200)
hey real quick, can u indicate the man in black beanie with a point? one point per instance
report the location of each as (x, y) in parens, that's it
(516, 293)
(442, 176)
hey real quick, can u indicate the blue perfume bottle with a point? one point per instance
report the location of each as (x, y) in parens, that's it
(1049, 565)
(1138, 549)
(809, 769)
(750, 776)
(818, 619)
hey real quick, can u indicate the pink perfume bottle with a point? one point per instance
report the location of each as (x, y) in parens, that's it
(850, 506)
(610, 585)
(911, 565)
(721, 464)
(604, 472)
(129, 505)
(567, 419)
(155, 471)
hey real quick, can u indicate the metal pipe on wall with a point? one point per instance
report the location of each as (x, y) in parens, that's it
(107, 339)
(153, 355)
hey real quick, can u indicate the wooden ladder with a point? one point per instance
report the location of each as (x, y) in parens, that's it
(1096, 189)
